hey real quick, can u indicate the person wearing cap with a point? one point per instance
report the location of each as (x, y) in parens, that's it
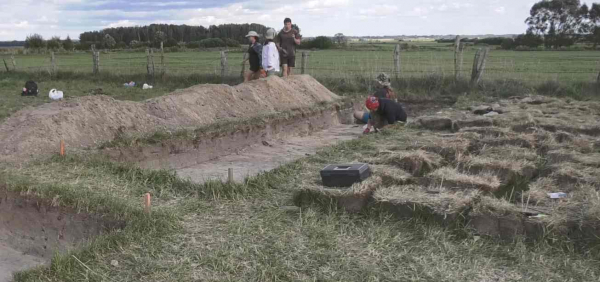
(286, 40)
(270, 54)
(383, 112)
(384, 87)
(383, 90)
(254, 57)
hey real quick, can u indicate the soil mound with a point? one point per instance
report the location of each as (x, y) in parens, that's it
(90, 121)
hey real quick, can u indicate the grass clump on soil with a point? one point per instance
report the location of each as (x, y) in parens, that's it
(413, 201)
(418, 162)
(452, 179)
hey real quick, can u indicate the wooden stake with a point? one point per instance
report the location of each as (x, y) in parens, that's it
(244, 65)
(456, 58)
(62, 148)
(223, 64)
(162, 60)
(230, 175)
(53, 60)
(305, 55)
(6, 65)
(147, 203)
(397, 61)
(148, 61)
(14, 63)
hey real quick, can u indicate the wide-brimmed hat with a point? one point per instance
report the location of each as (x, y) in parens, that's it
(252, 34)
(383, 79)
(270, 34)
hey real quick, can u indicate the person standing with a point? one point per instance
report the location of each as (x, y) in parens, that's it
(287, 40)
(270, 54)
(254, 57)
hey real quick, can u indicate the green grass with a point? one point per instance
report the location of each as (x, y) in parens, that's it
(362, 59)
(246, 236)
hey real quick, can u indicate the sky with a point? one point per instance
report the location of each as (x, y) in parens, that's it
(314, 17)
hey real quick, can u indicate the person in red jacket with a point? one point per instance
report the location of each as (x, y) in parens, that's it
(383, 112)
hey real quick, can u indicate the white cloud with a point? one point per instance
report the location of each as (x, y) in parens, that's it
(315, 17)
(121, 23)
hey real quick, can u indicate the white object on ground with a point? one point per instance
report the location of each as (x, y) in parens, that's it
(558, 195)
(491, 114)
(55, 94)
(146, 86)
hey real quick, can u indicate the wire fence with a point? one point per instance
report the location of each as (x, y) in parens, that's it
(564, 66)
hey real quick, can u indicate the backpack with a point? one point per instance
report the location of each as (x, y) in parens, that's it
(31, 89)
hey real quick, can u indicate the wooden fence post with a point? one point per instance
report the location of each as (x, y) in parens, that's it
(244, 66)
(152, 60)
(14, 63)
(148, 61)
(223, 65)
(397, 62)
(97, 61)
(478, 65)
(53, 61)
(305, 55)
(162, 60)
(457, 60)
(6, 65)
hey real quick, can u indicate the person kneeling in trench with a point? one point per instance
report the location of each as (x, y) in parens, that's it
(382, 112)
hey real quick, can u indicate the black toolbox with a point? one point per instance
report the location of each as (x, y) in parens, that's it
(338, 175)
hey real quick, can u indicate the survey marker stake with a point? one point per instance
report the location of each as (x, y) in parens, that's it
(147, 203)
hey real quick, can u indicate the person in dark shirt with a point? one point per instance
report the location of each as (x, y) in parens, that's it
(384, 87)
(254, 57)
(383, 112)
(286, 41)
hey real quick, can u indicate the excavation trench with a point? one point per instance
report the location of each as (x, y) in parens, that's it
(32, 231)
(249, 148)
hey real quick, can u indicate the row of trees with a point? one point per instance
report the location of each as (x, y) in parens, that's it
(564, 22)
(36, 41)
(170, 35)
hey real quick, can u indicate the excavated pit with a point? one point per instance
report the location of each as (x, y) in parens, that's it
(32, 231)
(247, 149)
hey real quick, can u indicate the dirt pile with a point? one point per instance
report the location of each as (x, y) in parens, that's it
(90, 121)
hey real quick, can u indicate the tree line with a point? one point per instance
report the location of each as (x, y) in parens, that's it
(226, 35)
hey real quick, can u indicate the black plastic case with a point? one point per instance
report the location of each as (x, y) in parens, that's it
(344, 175)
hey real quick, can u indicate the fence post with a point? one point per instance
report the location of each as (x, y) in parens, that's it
(152, 60)
(305, 55)
(6, 65)
(162, 60)
(53, 61)
(397, 61)
(478, 65)
(97, 61)
(148, 61)
(457, 59)
(223, 65)
(244, 66)
(14, 63)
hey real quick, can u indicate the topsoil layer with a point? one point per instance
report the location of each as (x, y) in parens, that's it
(90, 121)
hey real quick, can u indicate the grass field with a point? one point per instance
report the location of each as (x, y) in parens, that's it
(241, 232)
(220, 232)
(360, 59)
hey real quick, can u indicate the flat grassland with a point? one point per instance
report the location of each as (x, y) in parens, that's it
(420, 59)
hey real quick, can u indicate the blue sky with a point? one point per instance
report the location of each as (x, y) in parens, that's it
(315, 17)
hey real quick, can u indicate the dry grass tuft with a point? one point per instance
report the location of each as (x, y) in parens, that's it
(452, 179)
(418, 162)
(568, 176)
(409, 201)
(475, 122)
(487, 131)
(352, 199)
(506, 169)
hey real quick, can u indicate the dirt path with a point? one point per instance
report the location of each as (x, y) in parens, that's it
(269, 155)
(12, 260)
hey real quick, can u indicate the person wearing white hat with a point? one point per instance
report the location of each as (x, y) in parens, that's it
(255, 58)
(270, 54)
